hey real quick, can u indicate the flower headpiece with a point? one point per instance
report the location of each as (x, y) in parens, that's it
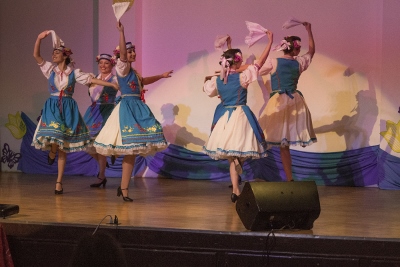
(106, 57)
(296, 44)
(238, 57)
(128, 45)
(65, 50)
(285, 45)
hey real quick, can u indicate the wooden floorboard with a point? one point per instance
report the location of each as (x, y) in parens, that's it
(346, 212)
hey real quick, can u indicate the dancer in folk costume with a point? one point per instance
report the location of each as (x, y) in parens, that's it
(286, 119)
(103, 102)
(236, 134)
(61, 127)
(131, 128)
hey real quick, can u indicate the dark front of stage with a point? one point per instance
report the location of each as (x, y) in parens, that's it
(194, 223)
(53, 245)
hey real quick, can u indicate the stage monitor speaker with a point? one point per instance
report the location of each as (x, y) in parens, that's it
(276, 205)
(8, 209)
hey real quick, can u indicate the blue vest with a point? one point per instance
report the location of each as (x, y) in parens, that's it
(286, 77)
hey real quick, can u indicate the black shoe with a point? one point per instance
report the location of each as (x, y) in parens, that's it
(59, 192)
(112, 159)
(103, 182)
(50, 161)
(234, 197)
(240, 182)
(119, 193)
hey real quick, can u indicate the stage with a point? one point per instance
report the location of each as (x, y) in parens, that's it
(175, 222)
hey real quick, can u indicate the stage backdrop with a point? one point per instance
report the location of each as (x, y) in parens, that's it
(350, 88)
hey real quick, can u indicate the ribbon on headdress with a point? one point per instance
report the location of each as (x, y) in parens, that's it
(57, 42)
(120, 7)
(291, 23)
(256, 33)
(225, 69)
(220, 40)
(128, 45)
(283, 45)
(106, 57)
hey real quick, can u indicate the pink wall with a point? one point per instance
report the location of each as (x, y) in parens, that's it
(359, 36)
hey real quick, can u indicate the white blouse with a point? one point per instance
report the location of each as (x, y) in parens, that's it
(270, 65)
(61, 80)
(122, 68)
(246, 77)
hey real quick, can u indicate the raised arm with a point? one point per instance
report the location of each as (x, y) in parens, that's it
(152, 79)
(36, 49)
(104, 83)
(311, 43)
(122, 43)
(265, 53)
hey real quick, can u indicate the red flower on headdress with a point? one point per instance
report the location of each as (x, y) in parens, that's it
(66, 51)
(117, 51)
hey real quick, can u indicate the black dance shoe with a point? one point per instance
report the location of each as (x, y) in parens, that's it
(234, 197)
(59, 192)
(119, 193)
(103, 182)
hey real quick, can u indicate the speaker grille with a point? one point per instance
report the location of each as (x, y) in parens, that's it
(275, 205)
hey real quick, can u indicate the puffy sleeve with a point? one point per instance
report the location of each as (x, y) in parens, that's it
(304, 61)
(249, 75)
(266, 68)
(210, 87)
(46, 68)
(83, 77)
(122, 68)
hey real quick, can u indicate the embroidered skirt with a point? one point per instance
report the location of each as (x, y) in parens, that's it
(61, 124)
(95, 118)
(131, 129)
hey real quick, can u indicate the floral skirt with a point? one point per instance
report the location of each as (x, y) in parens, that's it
(131, 129)
(62, 125)
(95, 118)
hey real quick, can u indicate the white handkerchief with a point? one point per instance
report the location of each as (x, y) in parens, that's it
(120, 9)
(57, 42)
(291, 23)
(220, 40)
(256, 33)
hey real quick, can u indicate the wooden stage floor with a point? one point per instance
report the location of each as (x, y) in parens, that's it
(346, 212)
(193, 223)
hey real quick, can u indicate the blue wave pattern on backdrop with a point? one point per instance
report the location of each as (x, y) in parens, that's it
(359, 167)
